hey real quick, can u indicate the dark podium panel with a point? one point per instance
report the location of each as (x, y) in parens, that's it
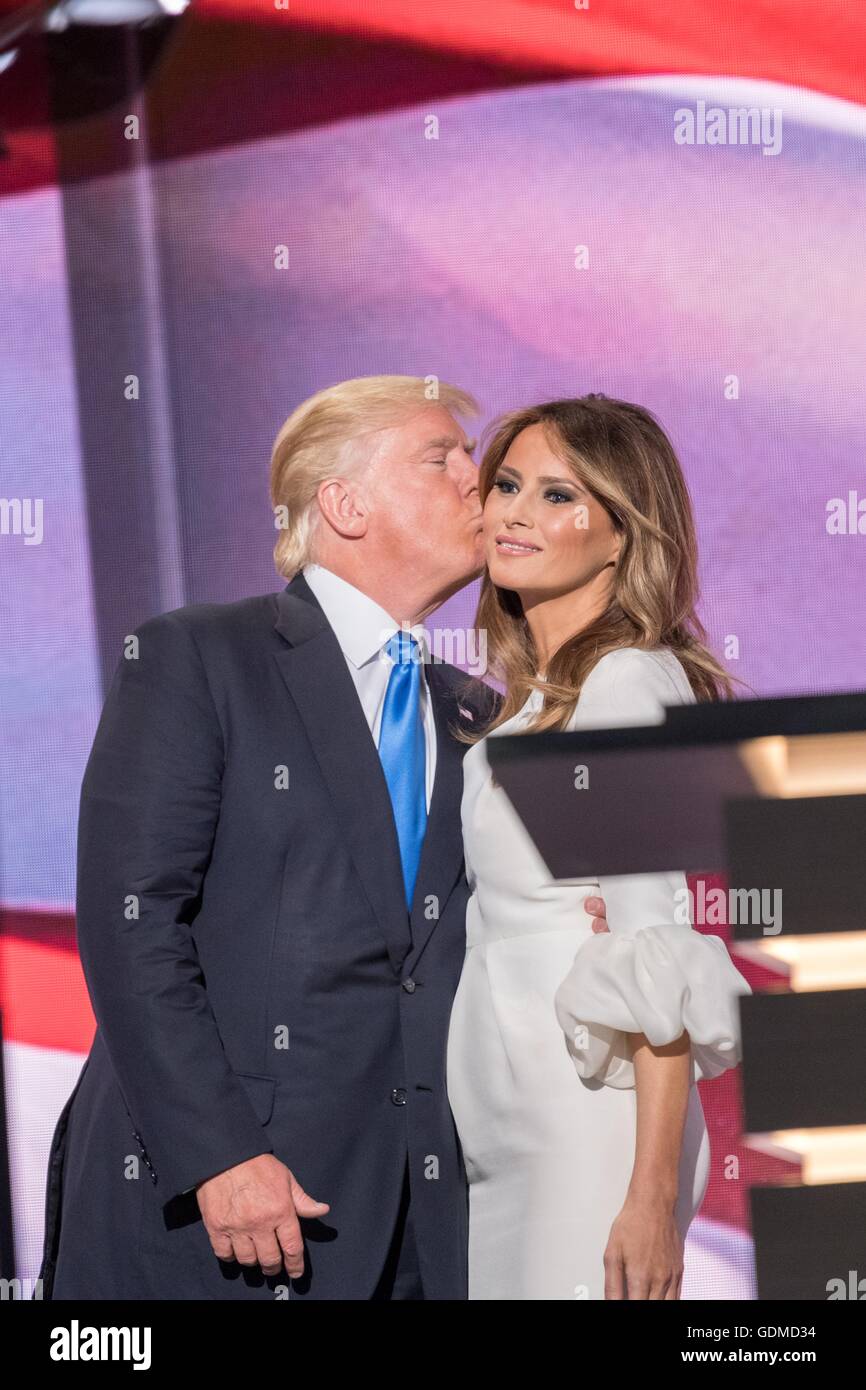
(809, 1241)
(650, 806)
(656, 797)
(799, 1069)
(815, 846)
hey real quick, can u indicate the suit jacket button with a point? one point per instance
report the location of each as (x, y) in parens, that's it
(398, 1095)
(409, 986)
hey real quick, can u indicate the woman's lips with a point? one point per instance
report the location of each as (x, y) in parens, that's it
(506, 546)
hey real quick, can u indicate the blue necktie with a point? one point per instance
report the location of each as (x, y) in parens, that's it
(403, 754)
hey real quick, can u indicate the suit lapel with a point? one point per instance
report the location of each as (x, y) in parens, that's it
(314, 669)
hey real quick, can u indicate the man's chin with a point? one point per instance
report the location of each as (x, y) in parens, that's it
(474, 569)
(468, 577)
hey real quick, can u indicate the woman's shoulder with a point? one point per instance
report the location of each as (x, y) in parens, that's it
(632, 685)
(660, 666)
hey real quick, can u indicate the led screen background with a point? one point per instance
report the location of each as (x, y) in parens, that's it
(432, 192)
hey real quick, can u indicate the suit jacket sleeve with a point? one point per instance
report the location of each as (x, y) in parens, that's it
(149, 805)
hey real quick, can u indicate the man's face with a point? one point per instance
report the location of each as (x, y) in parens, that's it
(421, 489)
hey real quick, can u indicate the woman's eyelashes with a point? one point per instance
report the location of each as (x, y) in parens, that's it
(551, 494)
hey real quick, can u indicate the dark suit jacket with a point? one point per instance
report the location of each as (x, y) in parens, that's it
(257, 981)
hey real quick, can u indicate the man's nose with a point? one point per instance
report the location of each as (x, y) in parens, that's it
(469, 479)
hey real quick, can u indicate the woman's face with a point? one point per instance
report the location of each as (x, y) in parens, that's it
(545, 534)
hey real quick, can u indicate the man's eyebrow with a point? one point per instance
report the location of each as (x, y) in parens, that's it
(448, 442)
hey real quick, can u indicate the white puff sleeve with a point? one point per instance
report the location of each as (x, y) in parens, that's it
(651, 973)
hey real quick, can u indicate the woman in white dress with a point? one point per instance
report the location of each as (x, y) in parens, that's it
(573, 1053)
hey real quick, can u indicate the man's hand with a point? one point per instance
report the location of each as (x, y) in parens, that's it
(597, 910)
(251, 1214)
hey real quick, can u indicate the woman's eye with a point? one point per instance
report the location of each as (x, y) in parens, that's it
(554, 496)
(503, 483)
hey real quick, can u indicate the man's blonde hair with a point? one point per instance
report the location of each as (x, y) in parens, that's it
(319, 439)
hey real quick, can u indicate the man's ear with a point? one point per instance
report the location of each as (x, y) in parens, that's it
(342, 506)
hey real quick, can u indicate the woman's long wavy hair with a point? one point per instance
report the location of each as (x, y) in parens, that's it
(620, 453)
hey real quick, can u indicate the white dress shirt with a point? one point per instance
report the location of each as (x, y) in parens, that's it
(362, 627)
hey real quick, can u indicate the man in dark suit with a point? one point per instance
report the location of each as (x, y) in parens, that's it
(271, 900)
